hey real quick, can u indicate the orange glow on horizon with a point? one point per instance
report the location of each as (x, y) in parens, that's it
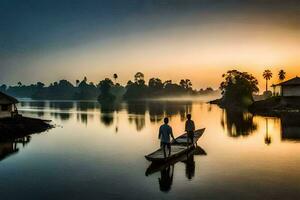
(199, 53)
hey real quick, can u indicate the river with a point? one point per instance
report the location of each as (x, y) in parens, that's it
(97, 152)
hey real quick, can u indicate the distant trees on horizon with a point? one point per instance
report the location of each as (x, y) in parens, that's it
(105, 89)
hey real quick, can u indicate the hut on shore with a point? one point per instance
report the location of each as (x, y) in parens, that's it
(8, 106)
(289, 88)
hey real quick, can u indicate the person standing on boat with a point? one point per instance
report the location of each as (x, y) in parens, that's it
(190, 128)
(165, 131)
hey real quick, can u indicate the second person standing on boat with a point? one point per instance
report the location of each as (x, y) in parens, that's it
(190, 128)
(165, 131)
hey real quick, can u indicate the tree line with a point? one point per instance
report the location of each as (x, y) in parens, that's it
(237, 88)
(105, 90)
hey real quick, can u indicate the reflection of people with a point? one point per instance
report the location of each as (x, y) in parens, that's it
(190, 128)
(165, 131)
(190, 167)
(166, 179)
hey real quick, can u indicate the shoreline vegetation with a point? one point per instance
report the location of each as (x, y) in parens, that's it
(107, 90)
(237, 89)
(239, 93)
(274, 106)
(19, 126)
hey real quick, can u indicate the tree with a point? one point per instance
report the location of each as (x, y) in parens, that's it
(105, 95)
(77, 82)
(136, 89)
(238, 88)
(86, 91)
(281, 75)
(105, 86)
(185, 84)
(167, 82)
(155, 83)
(85, 79)
(129, 83)
(115, 77)
(40, 85)
(209, 89)
(139, 78)
(3, 88)
(19, 84)
(267, 75)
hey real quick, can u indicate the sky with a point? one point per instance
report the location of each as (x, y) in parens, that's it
(51, 40)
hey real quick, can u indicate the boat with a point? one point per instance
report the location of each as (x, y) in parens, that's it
(158, 166)
(178, 147)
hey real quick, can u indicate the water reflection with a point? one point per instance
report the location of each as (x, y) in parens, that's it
(107, 119)
(11, 147)
(166, 178)
(157, 111)
(95, 144)
(166, 169)
(268, 138)
(238, 123)
(290, 127)
(190, 167)
(136, 114)
(137, 111)
(235, 123)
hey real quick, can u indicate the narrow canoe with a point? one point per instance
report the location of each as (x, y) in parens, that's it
(158, 166)
(177, 148)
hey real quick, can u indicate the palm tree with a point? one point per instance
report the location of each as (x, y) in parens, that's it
(85, 79)
(281, 75)
(19, 84)
(115, 77)
(139, 78)
(267, 75)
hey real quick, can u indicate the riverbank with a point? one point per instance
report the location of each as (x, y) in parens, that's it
(228, 105)
(268, 107)
(22, 126)
(276, 105)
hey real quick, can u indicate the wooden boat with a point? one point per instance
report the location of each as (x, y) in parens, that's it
(158, 166)
(178, 148)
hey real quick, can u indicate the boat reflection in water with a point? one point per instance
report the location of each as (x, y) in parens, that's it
(166, 169)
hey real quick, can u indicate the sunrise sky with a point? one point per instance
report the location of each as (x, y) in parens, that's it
(171, 39)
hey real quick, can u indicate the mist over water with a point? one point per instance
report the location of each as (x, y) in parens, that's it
(198, 98)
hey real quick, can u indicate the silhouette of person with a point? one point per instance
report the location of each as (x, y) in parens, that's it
(166, 179)
(165, 131)
(190, 128)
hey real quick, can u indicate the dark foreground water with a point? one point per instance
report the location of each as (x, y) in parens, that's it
(97, 152)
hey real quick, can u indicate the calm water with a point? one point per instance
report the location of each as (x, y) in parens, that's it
(98, 153)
